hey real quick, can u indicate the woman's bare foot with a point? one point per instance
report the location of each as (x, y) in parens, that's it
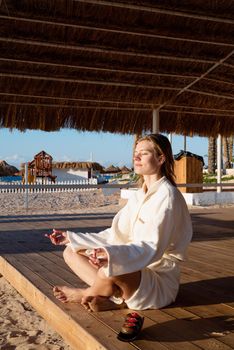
(99, 303)
(68, 294)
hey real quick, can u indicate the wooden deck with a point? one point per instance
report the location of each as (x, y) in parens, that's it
(201, 318)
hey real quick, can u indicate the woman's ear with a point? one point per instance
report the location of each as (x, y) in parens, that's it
(162, 159)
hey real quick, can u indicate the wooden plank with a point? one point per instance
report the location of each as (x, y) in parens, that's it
(154, 335)
(217, 287)
(207, 326)
(213, 256)
(212, 270)
(215, 247)
(189, 328)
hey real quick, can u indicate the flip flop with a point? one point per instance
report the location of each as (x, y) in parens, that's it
(131, 327)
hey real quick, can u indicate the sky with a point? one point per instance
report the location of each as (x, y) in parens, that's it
(72, 145)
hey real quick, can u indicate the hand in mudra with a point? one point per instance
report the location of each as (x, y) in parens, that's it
(98, 258)
(58, 237)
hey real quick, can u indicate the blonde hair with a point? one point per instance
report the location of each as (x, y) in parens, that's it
(162, 146)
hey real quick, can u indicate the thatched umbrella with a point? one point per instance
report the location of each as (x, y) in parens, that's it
(112, 170)
(6, 169)
(125, 170)
(78, 165)
(105, 65)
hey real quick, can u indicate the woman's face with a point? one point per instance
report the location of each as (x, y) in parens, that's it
(146, 160)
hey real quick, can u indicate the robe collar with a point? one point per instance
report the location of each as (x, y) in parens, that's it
(153, 188)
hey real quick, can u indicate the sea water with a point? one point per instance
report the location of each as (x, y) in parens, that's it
(10, 178)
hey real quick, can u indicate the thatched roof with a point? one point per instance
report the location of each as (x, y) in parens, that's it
(104, 65)
(7, 169)
(112, 169)
(125, 170)
(77, 165)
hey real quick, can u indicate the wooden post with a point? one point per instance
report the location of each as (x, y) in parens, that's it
(170, 138)
(185, 143)
(26, 182)
(219, 160)
(155, 123)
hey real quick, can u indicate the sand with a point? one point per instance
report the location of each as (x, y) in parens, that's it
(59, 202)
(21, 327)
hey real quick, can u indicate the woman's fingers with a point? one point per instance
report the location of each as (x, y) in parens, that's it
(93, 264)
(57, 237)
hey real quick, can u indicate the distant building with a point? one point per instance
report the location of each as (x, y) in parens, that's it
(70, 171)
(41, 166)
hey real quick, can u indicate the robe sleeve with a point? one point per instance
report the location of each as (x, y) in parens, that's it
(117, 233)
(136, 255)
(80, 240)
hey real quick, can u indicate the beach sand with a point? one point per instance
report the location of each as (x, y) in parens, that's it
(21, 327)
(59, 202)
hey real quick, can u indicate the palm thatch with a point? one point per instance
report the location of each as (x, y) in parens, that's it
(7, 169)
(125, 170)
(112, 169)
(78, 165)
(105, 65)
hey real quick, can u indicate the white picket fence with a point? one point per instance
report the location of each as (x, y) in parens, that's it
(46, 187)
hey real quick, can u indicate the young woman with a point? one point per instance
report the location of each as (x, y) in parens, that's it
(137, 259)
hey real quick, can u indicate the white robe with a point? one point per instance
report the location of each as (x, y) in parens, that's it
(150, 234)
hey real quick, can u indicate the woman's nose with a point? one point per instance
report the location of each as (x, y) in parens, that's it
(136, 156)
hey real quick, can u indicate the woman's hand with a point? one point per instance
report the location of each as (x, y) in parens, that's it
(98, 258)
(58, 237)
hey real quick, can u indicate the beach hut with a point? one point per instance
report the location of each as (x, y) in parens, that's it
(112, 170)
(76, 170)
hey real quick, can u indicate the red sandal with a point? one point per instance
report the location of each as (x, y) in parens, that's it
(131, 327)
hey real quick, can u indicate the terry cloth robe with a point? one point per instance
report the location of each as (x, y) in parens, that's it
(150, 234)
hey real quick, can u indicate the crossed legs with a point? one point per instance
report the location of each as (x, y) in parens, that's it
(100, 287)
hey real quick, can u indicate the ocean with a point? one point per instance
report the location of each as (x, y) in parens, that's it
(10, 178)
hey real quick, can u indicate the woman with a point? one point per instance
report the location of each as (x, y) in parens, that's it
(136, 260)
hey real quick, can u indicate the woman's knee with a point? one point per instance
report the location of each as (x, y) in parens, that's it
(68, 253)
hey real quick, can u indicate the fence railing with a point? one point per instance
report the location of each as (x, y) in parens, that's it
(85, 185)
(60, 186)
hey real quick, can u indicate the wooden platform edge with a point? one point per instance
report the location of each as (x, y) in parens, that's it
(73, 334)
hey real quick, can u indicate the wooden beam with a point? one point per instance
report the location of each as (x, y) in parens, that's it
(94, 100)
(102, 50)
(219, 161)
(216, 113)
(93, 68)
(213, 110)
(155, 121)
(186, 88)
(112, 70)
(152, 9)
(120, 108)
(101, 69)
(94, 82)
(74, 107)
(83, 81)
(218, 81)
(206, 93)
(103, 28)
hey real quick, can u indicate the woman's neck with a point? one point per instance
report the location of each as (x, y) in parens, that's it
(150, 179)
